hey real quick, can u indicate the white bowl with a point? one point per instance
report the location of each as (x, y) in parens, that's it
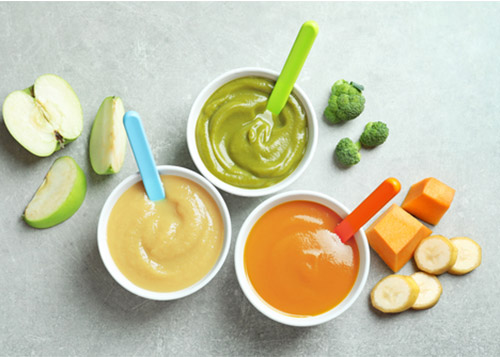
(102, 237)
(200, 102)
(253, 296)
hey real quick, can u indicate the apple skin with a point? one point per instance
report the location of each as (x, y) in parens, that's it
(61, 142)
(113, 105)
(70, 205)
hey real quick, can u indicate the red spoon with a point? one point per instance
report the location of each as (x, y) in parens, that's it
(367, 209)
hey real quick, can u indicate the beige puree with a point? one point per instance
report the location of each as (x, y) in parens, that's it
(166, 245)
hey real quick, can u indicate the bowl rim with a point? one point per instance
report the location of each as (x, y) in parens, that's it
(203, 96)
(104, 248)
(250, 292)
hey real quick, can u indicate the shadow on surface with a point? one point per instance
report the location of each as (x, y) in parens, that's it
(115, 298)
(15, 149)
(262, 334)
(379, 313)
(180, 157)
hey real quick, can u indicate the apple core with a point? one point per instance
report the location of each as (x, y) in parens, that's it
(45, 116)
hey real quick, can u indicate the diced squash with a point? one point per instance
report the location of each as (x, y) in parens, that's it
(395, 236)
(429, 200)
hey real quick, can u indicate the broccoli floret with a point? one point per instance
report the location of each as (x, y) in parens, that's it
(346, 102)
(375, 133)
(347, 152)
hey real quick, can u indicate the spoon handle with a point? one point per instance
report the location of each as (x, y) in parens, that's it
(367, 209)
(143, 156)
(292, 67)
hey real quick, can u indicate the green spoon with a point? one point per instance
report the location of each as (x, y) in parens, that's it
(292, 67)
(290, 72)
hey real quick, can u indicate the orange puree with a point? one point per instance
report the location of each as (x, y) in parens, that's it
(296, 263)
(166, 245)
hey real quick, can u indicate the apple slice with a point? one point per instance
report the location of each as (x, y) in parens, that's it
(108, 139)
(45, 116)
(59, 196)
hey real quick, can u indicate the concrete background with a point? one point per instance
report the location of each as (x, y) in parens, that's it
(431, 72)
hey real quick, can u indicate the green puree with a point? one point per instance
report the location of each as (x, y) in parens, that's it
(243, 150)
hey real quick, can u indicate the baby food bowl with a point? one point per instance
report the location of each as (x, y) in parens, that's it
(198, 105)
(102, 236)
(253, 296)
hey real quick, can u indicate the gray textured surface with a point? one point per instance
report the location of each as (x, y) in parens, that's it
(430, 71)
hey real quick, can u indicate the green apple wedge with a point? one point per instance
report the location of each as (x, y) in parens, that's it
(59, 196)
(45, 116)
(108, 139)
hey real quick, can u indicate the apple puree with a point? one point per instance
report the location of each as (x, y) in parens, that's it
(166, 245)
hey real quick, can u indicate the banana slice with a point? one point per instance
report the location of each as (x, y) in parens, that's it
(469, 255)
(394, 293)
(435, 255)
(430, 290)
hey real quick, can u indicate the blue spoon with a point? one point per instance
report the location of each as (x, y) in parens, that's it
(143, 156)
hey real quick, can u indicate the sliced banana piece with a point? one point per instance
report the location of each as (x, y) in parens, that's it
(469, 255)
(435, 255)
(394, 293)
(430, 290)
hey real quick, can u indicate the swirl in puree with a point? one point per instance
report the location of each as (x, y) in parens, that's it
(240, 148)
(296, 263)
(165, 245)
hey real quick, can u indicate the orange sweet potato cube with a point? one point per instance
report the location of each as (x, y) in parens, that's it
(429, 200)
(395, 235)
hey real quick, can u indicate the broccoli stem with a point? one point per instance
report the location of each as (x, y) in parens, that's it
(358, 86)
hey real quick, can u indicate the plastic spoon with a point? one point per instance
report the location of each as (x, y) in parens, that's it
(143, 156)
(367, 209)
(290, 72)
